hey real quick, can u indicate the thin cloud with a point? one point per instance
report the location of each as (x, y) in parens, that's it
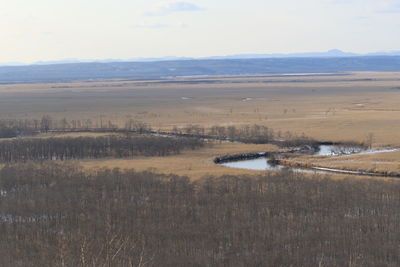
(169, 7)
(370, 7)
(391, 9)
(160, 25)
(152, 26)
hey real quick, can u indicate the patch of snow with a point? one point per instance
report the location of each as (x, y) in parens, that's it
(377, 151)
(339, 171)
(360, 104)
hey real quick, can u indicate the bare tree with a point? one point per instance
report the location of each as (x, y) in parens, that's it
(370, 140)
(45, 123)
(59, 215)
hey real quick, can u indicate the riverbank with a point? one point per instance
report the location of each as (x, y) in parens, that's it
(194, 164)
(200, 163)
(277, 160)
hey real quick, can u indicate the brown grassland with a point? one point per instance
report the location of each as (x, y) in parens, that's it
(84, 180)
(328, 108)
(195, 164)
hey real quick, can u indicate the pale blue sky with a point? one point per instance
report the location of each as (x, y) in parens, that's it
(33, 30)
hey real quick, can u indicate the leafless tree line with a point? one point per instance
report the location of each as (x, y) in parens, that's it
(19, 127)
(255, 134)
(65, 148)
(58, 215)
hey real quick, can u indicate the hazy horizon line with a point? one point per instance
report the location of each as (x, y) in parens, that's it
(328, 53)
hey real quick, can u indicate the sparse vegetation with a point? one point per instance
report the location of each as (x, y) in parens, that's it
(249, 134)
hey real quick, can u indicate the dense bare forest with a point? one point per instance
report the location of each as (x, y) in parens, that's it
(64, 148)
(57, 215)
(20, 127)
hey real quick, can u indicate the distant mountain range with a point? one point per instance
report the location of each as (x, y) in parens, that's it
(328, 54)
(178, 68)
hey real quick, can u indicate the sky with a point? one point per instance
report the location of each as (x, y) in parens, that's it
(42, 30)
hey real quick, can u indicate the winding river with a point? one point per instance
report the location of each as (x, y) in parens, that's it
(263, 161)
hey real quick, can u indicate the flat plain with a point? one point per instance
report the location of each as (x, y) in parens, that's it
(326, 107)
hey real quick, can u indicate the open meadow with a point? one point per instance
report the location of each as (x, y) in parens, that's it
(326, 107)
(333, 107)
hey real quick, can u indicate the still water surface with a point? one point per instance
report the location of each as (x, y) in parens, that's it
(262, 164)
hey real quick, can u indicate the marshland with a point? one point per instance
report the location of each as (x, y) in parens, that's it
(192, 171)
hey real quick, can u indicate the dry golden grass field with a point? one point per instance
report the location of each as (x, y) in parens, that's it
(381, 162)
(194, 164)
(334, 107)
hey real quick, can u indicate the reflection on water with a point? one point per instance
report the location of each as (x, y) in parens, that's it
(259, 164)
